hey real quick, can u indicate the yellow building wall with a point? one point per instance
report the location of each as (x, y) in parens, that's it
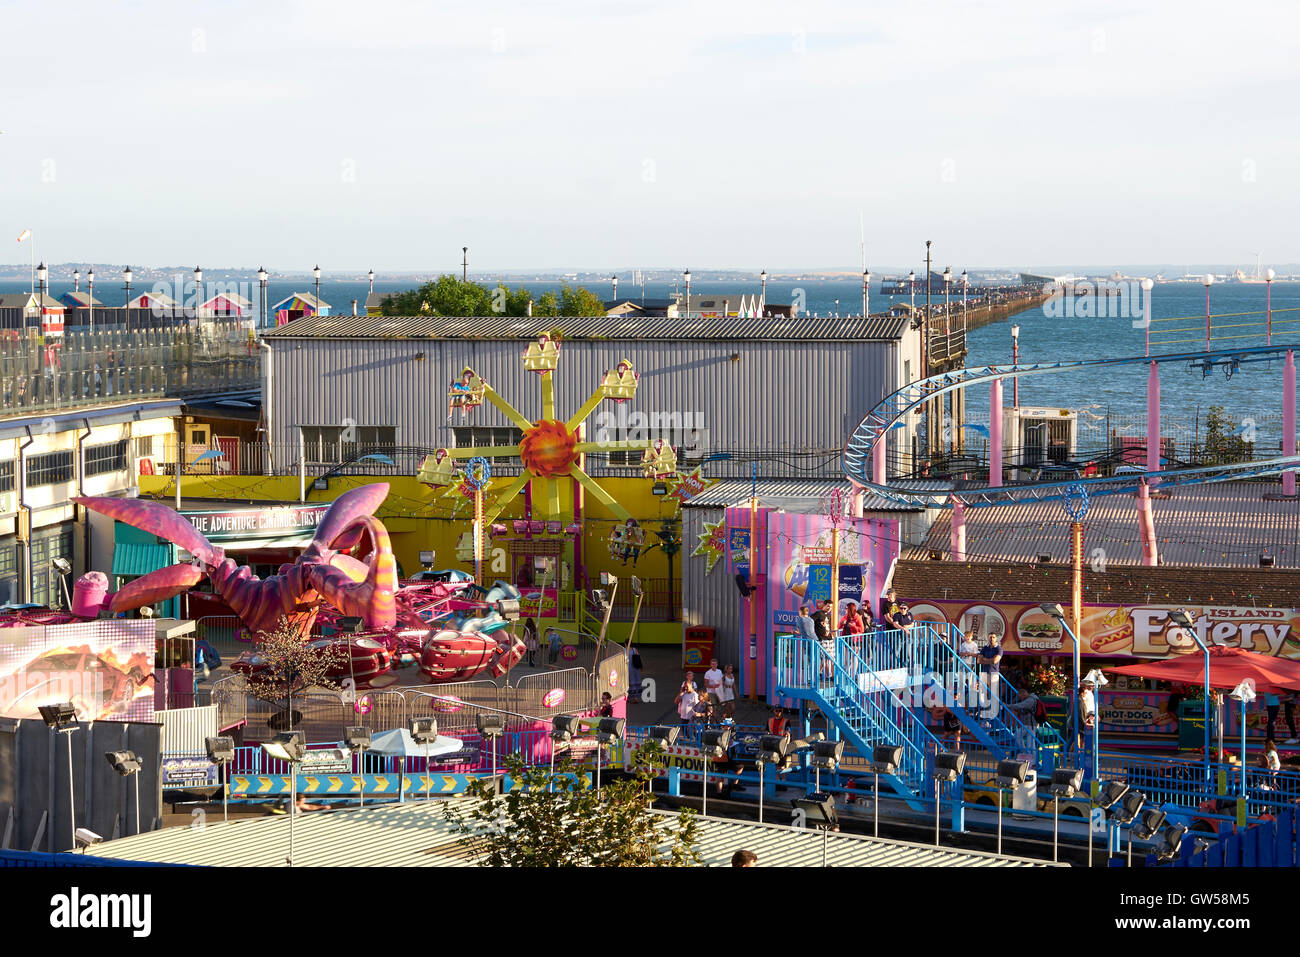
(420, 518)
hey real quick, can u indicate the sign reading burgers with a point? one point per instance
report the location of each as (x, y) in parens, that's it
(1038, 631)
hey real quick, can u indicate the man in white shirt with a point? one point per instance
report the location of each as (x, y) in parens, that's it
(1087, 713)
(713, 679)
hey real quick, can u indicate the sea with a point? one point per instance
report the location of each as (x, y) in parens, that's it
(1052, 332)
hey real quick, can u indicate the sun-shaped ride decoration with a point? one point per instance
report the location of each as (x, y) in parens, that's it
(550, 448)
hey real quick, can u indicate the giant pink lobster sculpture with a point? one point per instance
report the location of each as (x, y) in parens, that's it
(397, 621)
(364, 589)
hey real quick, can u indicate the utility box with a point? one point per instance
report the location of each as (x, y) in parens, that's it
(697, 648)
(1191, 725)
(1033, 438)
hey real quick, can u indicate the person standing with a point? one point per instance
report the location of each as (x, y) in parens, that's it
(1288, 712)
(713, 680)
(821, 619)
(728, 694)
(991, 658)
(634, 673)
(1031, 711)
(552, 646)
(530, 641)
(1271, 705)
(686, 701)
(889, 610)
(1087, 714)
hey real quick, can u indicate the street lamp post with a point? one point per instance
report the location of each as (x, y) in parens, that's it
(1015, 361)
(371, 276)
(687, 275)
(947, 305)
(261, 287)
(1269, 276)
(42, 272)
(911, 291)
(965, 288)
(837, 308)
(316, 272)
(198, 293)
(866, 293)
(1209, 281)
(614, 282)
(90, 295)
(762, 299)
(126, 284)
(464, 264)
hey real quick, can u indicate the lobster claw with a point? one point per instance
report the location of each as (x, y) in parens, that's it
(156, 518)
(158, 585)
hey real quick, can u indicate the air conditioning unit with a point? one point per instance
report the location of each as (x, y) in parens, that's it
(8, 503)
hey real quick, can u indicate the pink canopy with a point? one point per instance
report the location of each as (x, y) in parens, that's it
(1228, 666)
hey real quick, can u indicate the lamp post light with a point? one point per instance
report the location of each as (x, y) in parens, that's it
(866, 293)
(613, 281)
(221, 752)
(965, 289)
(357, 738)
(316, 272)
(127, 765)
(1056, 611)
(41, 273)
(90, 295)
(1015, 362)
(1244, 693)
(198, 292)
(371, 276)
(1066, 783)
(491, 726)
(885, 759)
(762, 298)
(1098, 681)
(261, 289)
(772, 749)
(291, 747)
(1269, 276)
(1108, 795)
(608, 731)
(947, 302)
(563, 728)
(713, 744)
(464, 264)
(126, 284)
(425, 731)
(687, 275)
(948, 767)
(62, 719)
(1183, 620)
(664, 736)
(76, 280)
(837, 308)
(1209, 281)
(911, 289)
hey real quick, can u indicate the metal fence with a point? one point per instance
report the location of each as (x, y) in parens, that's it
(184, 729)
(114, 365)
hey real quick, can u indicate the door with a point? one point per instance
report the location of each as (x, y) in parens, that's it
(229, 446)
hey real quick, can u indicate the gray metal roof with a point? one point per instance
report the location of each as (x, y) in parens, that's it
(590, 327)
(783, 493)
(1225, 525)
(416, 834)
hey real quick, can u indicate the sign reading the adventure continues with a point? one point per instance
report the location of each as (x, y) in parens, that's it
(256, 521)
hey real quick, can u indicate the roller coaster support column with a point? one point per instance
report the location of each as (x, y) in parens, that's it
(1153, 420)
(958, 531)
(878, 459)
(995, 434)
(1288, 419)
(1147, 527)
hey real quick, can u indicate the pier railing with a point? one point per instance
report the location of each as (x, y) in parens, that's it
(115, 365)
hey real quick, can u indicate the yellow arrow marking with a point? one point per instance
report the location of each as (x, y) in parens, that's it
(312, 784)
(238, 785)
(336, 784)
(448, 783)
(264, 785)
(381, 784)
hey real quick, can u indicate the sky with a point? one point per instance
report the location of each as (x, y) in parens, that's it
(555, 134)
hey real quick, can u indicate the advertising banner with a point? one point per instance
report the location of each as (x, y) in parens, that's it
(241, 523)
(195, 772)
(539, 603)
(105, 668)
(1138, 631)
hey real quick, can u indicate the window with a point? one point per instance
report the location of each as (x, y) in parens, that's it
(335, 444)
(47, 588)
(684, 441)
(142, 447)
(468, 437)
(49, 468)
(106, 458)
(6, 476)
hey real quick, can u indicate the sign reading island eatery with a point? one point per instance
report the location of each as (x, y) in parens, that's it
(263, 522)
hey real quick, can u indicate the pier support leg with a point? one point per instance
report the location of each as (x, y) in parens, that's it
(1147, 527)
(1288, 419)
(878, 460)
(995, 434)
(958, 531)
(1153, 421)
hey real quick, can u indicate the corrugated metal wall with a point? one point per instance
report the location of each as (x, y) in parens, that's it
(710, 599)
(777, 397)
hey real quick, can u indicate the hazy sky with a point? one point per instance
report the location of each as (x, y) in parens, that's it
(564, 134)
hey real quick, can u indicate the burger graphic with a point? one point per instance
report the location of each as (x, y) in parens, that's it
(1038, 631)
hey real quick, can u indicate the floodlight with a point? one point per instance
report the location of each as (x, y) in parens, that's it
(424, 730)
(714, 744)
(490, 724)
(1012, 773)
(636, 587)
(220, 749)
(1244, 692)
(58, 716)
(1053, 609)
(949, 765)
(1148, 822)
(773, 748)
(1128, 807)
(1110, 792)
(885, 758)
(1171, 839)
(818, 808)
(665, 735)
(1066, 782)
(85, 837)
(606, 578)
(508, 608)
(146, 611)
(356, 736)
(123, 762)
(287, 746)
(564, 727)
(62, 566)
(350, 624)
(1181, 618)
(827, 754)
(610, 730)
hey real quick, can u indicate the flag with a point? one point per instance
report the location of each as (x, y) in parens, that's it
(25, 234)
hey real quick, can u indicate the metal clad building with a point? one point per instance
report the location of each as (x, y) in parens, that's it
(771, 388)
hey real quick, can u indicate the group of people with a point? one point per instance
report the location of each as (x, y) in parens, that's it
(714, 700)
(533, 644)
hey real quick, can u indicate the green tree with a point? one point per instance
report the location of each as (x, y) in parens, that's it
(1222, 445)
(562, 821)
(449, 295)
(580, 301)
(292, 664)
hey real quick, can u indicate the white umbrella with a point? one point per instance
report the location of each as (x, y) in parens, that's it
(399, 743)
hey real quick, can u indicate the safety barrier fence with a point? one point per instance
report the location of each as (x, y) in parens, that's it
(1268, 843)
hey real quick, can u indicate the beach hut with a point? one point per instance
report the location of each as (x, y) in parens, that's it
(298, 305)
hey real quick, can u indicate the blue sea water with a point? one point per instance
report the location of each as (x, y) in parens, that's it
(1120, 391)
